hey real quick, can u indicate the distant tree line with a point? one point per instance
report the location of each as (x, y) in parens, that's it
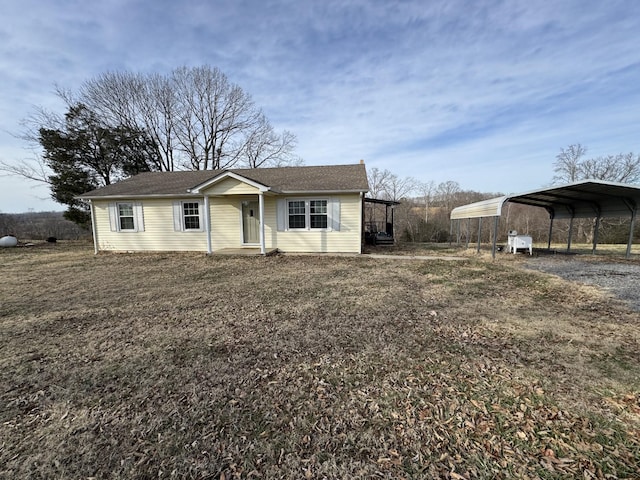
(38, 226)
(425, 209)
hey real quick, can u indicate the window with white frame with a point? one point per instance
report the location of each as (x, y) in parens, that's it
(297, 214)
(307, 214)
(191, 215)
(126, 218)
(188, 216)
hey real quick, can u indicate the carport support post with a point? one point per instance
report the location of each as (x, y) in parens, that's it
(550, 231)
(631, 228)
(468, 231)
(495, 236)
(479, 232)
(596, 228)
(570, 233)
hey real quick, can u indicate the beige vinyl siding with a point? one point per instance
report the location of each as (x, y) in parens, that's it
(226, 227)
(231, 186)
(347, 240)
(225, 222)
(158, 235)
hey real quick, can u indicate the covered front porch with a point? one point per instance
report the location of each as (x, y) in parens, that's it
(238, 226)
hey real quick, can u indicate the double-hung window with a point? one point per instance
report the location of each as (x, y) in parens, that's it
(191, 215)
(188, 216)
(297, 214)
(308, 214)
(318, 214)
(126, 219)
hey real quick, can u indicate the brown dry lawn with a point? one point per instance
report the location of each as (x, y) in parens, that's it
(188, 366)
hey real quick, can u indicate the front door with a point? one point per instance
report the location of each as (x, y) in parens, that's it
(250, 222)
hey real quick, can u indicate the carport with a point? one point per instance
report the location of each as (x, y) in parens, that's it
(586, 199)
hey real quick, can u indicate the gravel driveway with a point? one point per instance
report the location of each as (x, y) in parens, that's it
(619, 278)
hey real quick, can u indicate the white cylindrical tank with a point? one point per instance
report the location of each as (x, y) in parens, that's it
(8, 241)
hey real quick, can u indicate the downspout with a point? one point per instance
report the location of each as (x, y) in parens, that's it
(362, 240)
(263, 250)
(93, 227)
(207, 223)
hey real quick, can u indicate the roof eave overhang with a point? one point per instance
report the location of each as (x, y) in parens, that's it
(319, 192)
(485, 208)
(126, 197)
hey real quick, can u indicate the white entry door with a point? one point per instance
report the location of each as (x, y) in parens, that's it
(250, 222)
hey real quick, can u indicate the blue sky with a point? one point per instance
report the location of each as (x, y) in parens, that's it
(484, 93)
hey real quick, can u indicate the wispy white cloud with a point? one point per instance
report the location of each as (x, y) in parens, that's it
(438, 90)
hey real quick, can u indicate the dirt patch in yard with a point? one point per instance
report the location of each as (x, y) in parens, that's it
(193, 366)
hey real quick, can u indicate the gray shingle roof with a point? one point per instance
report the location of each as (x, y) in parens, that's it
(330, 178)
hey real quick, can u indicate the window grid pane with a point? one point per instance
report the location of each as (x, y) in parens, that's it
(125, 210)
(126, 223)
(318, 221)
(296, 208)
(318, 206)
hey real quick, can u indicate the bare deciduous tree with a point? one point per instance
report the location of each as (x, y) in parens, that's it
(567, 164)
(264, 148)
(198, 118)
(571, 166)
(427, 190)
(378, 180)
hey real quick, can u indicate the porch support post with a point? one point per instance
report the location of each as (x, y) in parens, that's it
(263, 250)
(95, 230)
(207, 222)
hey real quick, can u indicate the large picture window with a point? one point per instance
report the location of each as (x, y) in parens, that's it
(307, 214)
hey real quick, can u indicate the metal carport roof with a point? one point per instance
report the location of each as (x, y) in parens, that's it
(584, 199)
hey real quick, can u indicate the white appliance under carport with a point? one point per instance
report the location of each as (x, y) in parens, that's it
(517, 242)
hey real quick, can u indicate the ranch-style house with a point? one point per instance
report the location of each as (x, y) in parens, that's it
(290, 209)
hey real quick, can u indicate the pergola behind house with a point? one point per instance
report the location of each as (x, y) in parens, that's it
(373, 228)
(585, 199)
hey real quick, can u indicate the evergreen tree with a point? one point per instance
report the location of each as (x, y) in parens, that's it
(85, 154)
